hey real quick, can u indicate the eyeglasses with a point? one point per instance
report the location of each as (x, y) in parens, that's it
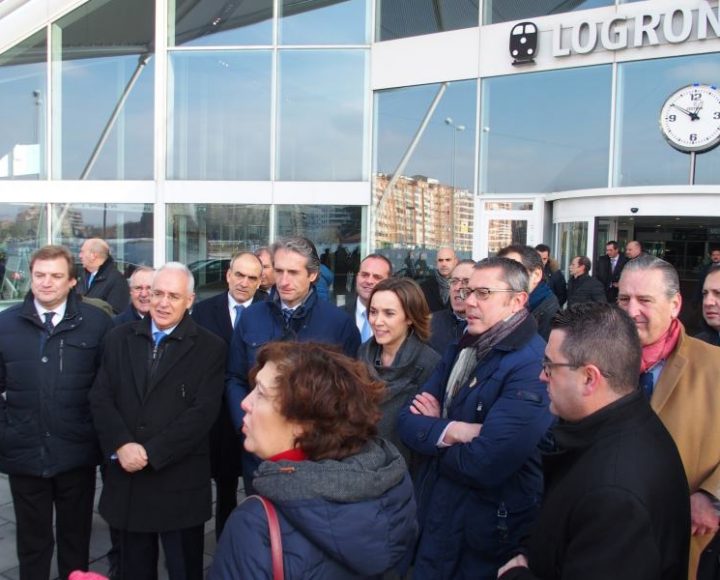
(548, 366)
(141, 288)
(481, 293)
(463, 281)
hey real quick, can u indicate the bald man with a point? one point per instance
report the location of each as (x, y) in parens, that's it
(101, 278)
(437, 287)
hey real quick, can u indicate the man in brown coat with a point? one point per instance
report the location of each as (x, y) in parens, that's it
(680, 375)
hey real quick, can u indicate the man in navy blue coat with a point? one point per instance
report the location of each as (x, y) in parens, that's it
(292, 313)
(140, 286)
(220, 314)
(478, 420)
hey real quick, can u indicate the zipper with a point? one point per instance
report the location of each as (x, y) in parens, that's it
(62, 344)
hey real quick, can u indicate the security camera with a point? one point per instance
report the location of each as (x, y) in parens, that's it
(634, 209)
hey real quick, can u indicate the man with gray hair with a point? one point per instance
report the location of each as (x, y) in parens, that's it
(293, 312)
(157, 393)
(140, 285)
(101, 278)
(478, 420)
(679, 374)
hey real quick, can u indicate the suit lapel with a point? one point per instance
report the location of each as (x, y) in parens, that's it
(175, 350)
(222, 316)
(139, 349)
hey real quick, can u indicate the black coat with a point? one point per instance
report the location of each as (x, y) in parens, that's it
(607, 277)
(169, 414)
(616, 503)
(445, 329)
(585, 289)
(225, 447)
(555, 279)
(431, 290)
(127, 315)
(45, 422)
(108, 285)
(709, 335)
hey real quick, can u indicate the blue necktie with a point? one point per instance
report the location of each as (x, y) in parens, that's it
(91, 279)
(48, 324)
(647, 384)
(366, 331)
(159, 336)
(238, 314)
(287, 314)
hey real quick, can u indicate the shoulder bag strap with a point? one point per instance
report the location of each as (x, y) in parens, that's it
(275, 536)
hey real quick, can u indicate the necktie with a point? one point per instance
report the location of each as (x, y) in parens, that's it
(159, 336)
(366, 331)
(287, 314)
(647, 384)
(91, 278)
(238, 313)
(48, 324)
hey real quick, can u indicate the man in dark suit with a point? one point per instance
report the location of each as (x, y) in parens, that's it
(447, 326)
(437, 287)
(101, 278)
(582, 287)
(608, 270)
(373, 269)
(157, 394)
(140, 286)
(552, 274)
(711, 307)
(220, 314)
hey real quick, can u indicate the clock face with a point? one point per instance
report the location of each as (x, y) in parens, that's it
(690, 118)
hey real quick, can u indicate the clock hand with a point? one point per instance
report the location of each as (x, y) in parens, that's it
(693, 115)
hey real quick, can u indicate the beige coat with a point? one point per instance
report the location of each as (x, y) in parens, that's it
(687, 400)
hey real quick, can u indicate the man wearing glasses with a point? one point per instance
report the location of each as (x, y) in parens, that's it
(140, 285)
(616, 503)
(448, 326)
(479, 420)
(157, 394)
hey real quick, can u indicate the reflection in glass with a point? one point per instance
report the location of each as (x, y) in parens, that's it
(425, 136)
(104, 124)
(508, 205)
(321, 118)
(22, 231)
(572, 241)
(643, 157)
(546, 131)
(126, 227)
(23, 77)
(403, 18)
(220, 115)
(324, 21)
(504, 11)
(502, 233)
(205, 236)
(336, 232)
(220, 23)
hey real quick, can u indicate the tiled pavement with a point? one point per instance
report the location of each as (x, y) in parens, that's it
(99, 542)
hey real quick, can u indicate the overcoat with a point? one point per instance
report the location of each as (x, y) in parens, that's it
(687, 400)
(169, 412)
(108, 285)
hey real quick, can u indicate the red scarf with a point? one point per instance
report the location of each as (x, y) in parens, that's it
(295, 454)
(662, 347)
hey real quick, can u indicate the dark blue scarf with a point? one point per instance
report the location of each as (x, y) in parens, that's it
(541, 292)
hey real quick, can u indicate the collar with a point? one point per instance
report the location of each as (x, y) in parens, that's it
(295, 454)
(154, 328)
(232, 303)
(59, 311)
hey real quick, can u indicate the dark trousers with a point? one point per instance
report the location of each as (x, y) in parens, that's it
(709, 567)
(71, 495)
(183, 554)
(225, 501)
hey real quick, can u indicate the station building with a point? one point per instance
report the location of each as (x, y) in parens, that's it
(186, 129)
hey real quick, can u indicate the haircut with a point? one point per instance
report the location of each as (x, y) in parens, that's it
(467, 261)
(178, 267)
(612, 243)
(242, 253)
(53, 253)
(331, 395)
(302, 246)
(99, 247)
(514, 273)
(584, 261)
(412, 300)
(139, 270)
(383, 258)
(646, 262)
(605, 336)
(542, 248)
(263, 250)
(529, 256)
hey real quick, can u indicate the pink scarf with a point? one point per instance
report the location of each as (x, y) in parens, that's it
(662, 347)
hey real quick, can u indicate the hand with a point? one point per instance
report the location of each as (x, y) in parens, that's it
(461, 432)
(132, 457)
(703, 515)
(693, 115)
(425, 404)
(518, 561)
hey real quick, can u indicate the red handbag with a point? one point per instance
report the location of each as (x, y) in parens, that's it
(275, 536)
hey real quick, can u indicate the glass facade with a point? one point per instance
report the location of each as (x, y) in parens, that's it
(23, 229)
(403, 18)
(504, 11)
(322, 22)
(547, 131)
(23, 97)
